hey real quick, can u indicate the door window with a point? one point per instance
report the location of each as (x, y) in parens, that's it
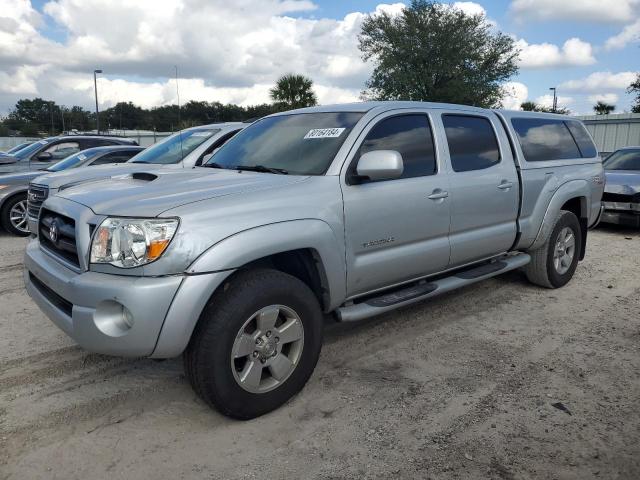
(63, 150)
(472, 142)
(546, 139)
(411, 136)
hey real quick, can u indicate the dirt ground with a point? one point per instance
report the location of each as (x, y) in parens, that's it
(463, 386)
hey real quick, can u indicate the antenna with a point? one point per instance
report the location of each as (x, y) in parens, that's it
(179, 126)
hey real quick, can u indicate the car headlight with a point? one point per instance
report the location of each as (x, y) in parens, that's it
(131, 242)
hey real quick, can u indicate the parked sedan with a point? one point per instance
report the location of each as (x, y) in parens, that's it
(14, 187)
(621, 197)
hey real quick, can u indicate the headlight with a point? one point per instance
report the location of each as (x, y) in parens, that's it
(131, 242)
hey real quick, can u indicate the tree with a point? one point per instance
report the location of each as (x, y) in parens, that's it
(535, 107)
(293, 91)
(431, 51)
(602, 108)
(635, 88)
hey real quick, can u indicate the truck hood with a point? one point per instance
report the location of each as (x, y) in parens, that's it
(74, 176)
(625, 182)
(150, 193)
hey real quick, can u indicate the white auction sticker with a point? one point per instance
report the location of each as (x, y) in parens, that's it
(82, 157)
(324, 133)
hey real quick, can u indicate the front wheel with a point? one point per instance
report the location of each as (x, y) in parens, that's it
(256, 344)
(554, 263)
(14, 215)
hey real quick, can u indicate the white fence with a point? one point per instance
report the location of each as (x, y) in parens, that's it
(144, 138)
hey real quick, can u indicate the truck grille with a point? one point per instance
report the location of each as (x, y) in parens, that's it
(37, 195)
(57, 234)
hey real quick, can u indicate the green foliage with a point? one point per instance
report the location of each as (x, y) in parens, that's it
(635, 88)
(433, 52)
(534, 107)
(293, 91)
(602, 108)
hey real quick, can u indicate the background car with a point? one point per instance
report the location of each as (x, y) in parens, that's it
(621, 199)
(15, 149)
(188, 148)
(44, 153)
(14, 187)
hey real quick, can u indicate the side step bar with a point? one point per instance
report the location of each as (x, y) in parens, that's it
(427, 289)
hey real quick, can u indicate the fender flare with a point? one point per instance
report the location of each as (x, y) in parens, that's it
(567, 191)
(210, 270)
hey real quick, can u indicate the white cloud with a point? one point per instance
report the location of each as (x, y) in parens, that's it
(574, 52)
(547, 101)
(630, 33)
(611, 11)
(599, 81)
(515, 94)
(610, 98)
(470, 8)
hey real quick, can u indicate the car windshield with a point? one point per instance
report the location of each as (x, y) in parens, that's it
(623, 160)
(302, 143)
(174, 148)
(26, 152)
(71, 161)
(19, 147)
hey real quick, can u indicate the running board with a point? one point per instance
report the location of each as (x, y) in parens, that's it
(423, 290)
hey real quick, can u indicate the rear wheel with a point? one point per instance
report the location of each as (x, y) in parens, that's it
(554, 263)
(256, 344)
(14, 215)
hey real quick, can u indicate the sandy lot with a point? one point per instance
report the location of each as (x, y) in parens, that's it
(459, 387)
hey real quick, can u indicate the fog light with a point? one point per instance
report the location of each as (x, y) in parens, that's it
(113, 318)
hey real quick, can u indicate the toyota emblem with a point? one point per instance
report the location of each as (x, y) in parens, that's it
(53, 232)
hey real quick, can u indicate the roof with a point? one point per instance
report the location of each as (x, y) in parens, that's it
(111, 148)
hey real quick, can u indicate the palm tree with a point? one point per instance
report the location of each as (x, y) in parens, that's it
(294, 91)
(602, 108)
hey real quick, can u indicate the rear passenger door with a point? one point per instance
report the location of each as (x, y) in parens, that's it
(394, 231)
(483, 185)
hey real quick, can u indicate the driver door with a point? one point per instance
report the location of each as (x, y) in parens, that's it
(397, 230)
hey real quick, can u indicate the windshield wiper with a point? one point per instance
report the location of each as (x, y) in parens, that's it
(261, 168)
(212, 165)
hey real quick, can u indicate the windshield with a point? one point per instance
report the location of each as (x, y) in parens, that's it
(71, 161)
(26, 152)
(302, 144)
(19, 147)
(170, 149)
(623, 160)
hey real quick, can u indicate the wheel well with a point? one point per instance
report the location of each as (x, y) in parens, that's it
(13, 195)
(578, 206)
(304, 264)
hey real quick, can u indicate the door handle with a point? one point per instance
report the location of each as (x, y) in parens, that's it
(438, 194)
(504, 185)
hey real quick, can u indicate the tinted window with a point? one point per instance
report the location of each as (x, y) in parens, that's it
(410, 135)
(472, 142)
(115, 157)
(300, 143)
(582, 138)
(545, 139)
(63, 149)
(623, 160)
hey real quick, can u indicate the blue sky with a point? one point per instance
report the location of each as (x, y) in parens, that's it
(234, 51)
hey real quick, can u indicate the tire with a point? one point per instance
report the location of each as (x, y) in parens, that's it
(230, 318)
(545, 269)
(15, 204)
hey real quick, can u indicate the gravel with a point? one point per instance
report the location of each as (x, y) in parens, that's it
(467, 385)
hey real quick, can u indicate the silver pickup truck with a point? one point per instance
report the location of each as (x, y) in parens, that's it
(344, 210)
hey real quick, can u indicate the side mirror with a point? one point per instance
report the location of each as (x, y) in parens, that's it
(380, 165)
(44, 157)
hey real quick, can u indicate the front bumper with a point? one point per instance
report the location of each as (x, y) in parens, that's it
(103, 313)
(621, 213)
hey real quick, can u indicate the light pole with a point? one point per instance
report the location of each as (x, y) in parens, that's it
(555, 100)
(95, 88)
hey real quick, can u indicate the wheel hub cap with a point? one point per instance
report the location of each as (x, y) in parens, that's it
(267, 348)
(18, 216)
(565, 250)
